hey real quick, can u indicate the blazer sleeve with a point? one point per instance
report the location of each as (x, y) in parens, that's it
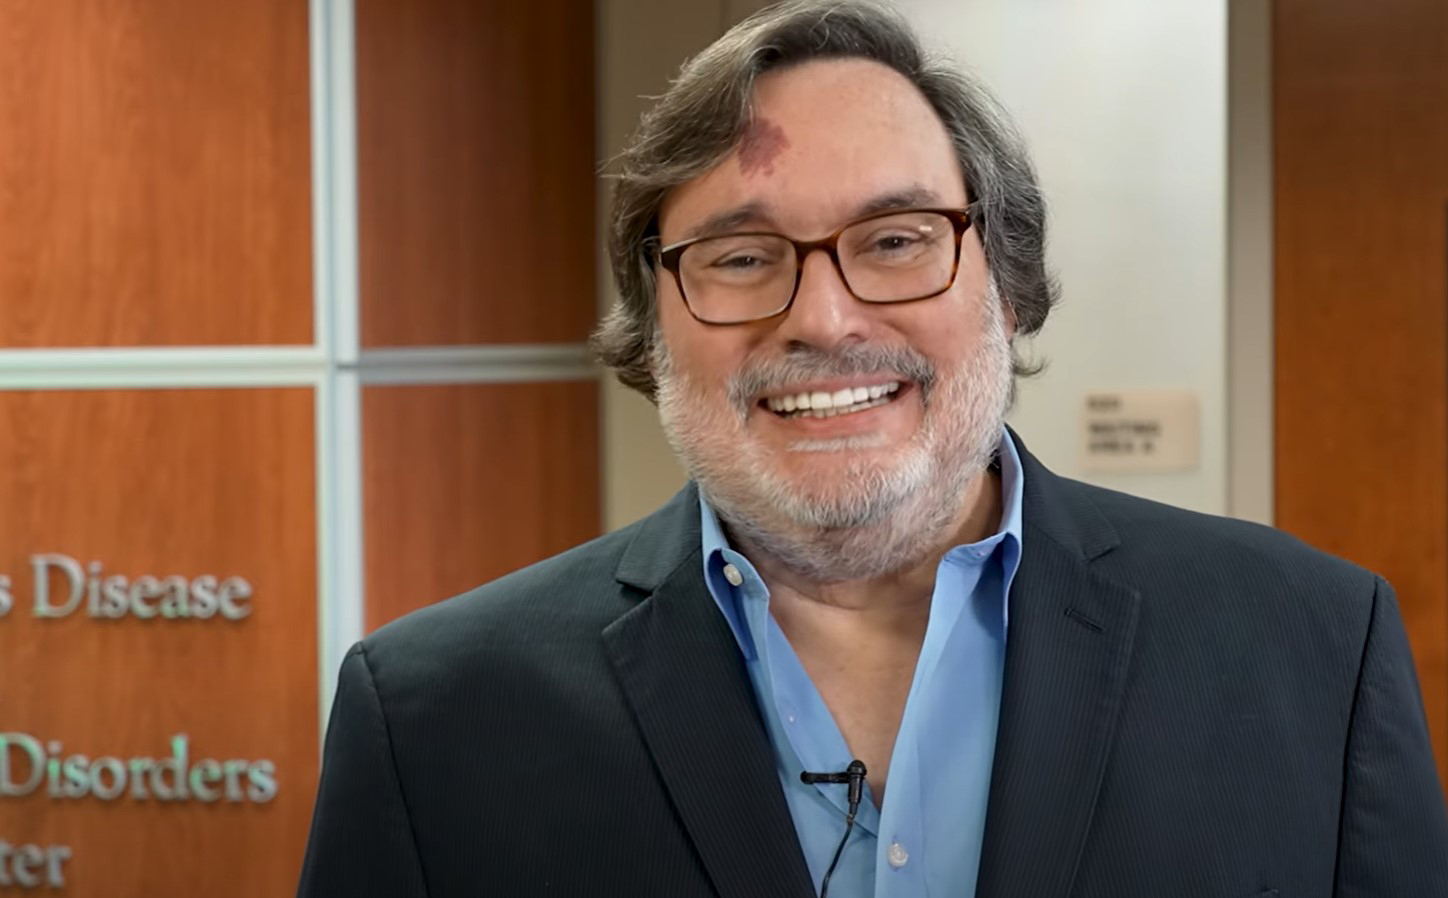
(361, 843)
(1394, 829)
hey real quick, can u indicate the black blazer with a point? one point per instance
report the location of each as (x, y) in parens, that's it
(1193, 708)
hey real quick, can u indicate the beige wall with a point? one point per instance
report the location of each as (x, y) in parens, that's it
(1249, 261)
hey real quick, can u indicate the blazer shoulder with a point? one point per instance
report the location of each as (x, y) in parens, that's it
(569, 597)
(1163, 538)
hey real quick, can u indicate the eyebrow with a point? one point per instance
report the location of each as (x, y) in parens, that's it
(726, 221)
(909, 198)
(732, 219)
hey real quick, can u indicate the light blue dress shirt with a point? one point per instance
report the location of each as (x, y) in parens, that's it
(926, 839)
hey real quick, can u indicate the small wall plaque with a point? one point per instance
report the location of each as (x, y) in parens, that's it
(1140, 431)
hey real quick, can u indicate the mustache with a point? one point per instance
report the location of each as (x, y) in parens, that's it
(810, 363)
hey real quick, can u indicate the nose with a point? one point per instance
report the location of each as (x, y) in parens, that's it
(824, 314)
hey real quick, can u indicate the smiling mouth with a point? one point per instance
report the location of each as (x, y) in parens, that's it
(829, 405)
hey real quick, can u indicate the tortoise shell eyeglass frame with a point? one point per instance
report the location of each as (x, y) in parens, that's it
(667, 257)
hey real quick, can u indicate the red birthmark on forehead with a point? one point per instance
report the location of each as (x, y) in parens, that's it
(763, 142)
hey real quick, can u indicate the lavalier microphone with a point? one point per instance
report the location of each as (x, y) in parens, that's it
(853, 776)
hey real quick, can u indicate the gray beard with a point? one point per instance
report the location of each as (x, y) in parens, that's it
(895, 537)
(889, 517)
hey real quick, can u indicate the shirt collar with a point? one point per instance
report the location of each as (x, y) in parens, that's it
(727, 595)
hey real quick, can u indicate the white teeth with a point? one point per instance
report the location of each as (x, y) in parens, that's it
(825, 405)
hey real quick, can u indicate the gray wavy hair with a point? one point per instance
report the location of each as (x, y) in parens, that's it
(706, 112)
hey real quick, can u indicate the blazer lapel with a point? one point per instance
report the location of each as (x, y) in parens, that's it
(1067, 653)
(681, 671)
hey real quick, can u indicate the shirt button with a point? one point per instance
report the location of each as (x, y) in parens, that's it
(731, 573)
(897, 855)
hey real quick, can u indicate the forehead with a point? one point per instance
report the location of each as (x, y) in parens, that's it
(826, 139)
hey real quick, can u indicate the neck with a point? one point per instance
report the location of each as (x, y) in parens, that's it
(903, 594)
(860, 640)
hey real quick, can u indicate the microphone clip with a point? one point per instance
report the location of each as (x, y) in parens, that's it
(853, 776)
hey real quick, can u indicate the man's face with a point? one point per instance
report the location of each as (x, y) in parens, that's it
(830, 141)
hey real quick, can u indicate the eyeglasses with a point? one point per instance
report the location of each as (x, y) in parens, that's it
(897, 256)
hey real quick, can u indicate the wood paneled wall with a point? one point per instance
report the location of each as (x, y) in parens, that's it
(155, 192)
(510, 477)
(155, 173)
(1361, 202)
(476, 171)
(476, 207)
(162, 483)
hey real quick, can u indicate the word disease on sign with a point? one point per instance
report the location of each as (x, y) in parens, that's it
(61, 587)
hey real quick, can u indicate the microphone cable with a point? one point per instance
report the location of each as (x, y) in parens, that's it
(854, 775)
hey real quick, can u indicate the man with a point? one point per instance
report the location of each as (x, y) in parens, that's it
(825, 245)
